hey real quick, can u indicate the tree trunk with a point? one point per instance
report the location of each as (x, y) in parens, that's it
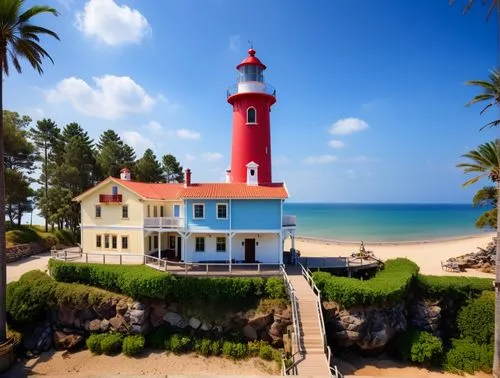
(496, 350)
(19, 215)
(3, 257)
(46, 215)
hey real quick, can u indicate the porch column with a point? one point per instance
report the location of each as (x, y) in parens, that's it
(159, 244)
(230, 251)
(280, 247)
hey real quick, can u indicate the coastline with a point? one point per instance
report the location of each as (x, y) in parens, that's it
(427, 254)
(316, 239)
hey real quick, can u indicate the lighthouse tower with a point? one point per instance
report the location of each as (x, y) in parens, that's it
(251, 99)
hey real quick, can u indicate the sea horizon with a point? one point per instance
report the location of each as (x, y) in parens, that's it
(345, 222)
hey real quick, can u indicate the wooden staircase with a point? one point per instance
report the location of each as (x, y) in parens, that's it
(314, 363)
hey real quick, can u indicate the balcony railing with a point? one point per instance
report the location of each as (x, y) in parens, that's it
(267, 89)
(289, 220)
(110, 198)
(164, 222)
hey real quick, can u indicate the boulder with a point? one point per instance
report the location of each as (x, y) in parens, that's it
(121, 307)
(104, 325)
(205, 326)
(63, 341)
(158, 309)
(94, 325)
(138, 306)
(277, 329)
(261, 321)
(66, 314)
(194, 323)
(87, 314)
(136, 316)
(40, 340)
(175, 320)
(249, 332)
(174, 307)
(426, 316)
(118, 324)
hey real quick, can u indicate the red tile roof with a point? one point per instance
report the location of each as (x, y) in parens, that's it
(235, 191)
(203, 191)
(153, 191)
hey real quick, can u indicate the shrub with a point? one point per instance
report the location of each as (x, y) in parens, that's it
(111, 343)
(49, 240)
(205, 347)
(275, 288)
(266, 352)
(142, 281)
(94, 342)
(419, 346)
(156, 339)
(476, 320)
(27, 298)
(180, 344)
(239, 351)
(65, 237)
(467, 356)
(227, 348)
(133, 345)
(454, 288)
(390, 284)
(216, 347)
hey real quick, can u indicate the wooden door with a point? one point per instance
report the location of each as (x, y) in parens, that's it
(179, 247)
(249, 250)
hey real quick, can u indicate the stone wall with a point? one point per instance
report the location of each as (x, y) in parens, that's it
(69, 323)
(22, 251)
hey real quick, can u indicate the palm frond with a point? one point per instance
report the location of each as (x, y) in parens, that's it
(36, 10)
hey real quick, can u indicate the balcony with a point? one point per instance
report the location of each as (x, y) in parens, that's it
(164, 222)
(110, 198)
(251, 87)
(289, 221)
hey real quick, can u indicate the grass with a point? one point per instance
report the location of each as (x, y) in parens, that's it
(36, 234)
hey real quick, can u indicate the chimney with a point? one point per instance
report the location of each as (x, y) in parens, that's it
(228, 176)
(125, 174)
(187, 179)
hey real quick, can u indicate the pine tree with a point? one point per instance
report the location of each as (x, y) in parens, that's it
(148, 168)
(113, 154)
(172, 169)
(46, 137)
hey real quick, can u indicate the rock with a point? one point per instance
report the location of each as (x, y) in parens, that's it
(87, 314)
(249, 332)
(121, 307)
(175, 320)
(77, 323)
(194, 323)
(426, 316)
(94, 325)
(63, 341)
(261, 321)
(135, 316)
(40, 340)
(105, 310)
(206, 326)
(158, 309)
(104, 325)
(139, 328)
(66, 314)
(174, 307)
(117, 323)
(277, 329)
(139, 306)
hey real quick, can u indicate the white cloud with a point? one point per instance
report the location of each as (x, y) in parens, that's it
(111, 23)
(336, 143)
(323, 159)
(187, 134)
(212, 156)
(234, 42)
(154, 126)
(112, 97)
(137, 141)
(190, 157)
(348, 126)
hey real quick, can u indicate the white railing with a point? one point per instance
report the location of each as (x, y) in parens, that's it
(295, 316)
(164, 222)
(102, 258)
(289, 220)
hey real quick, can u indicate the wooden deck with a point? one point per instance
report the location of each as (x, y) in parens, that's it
(350, 263)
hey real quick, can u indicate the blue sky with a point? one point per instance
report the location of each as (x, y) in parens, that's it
(371, 94)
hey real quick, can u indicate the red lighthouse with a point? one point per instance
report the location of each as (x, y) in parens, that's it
(251, 99)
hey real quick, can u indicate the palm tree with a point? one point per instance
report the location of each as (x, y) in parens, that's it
(19, 39)
(485, 162)
(491, 5)
(490, 94)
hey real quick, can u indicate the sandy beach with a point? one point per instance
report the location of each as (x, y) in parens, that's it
(427, 254)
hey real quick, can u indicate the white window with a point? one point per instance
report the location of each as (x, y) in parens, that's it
(251, 115)
(98, 241)
(106, 241)
(125, 211)
(97, 211)
(221, 244)
(114, 242)
(200, 244)
(198, 211)
(221, 211)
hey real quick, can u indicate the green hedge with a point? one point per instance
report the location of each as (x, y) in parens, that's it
(142, 281)
(476, 320)
(29, 298)
(390, 284)
(450, 287)
(419, 346)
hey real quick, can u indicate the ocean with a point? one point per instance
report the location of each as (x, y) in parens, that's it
(384, 222)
